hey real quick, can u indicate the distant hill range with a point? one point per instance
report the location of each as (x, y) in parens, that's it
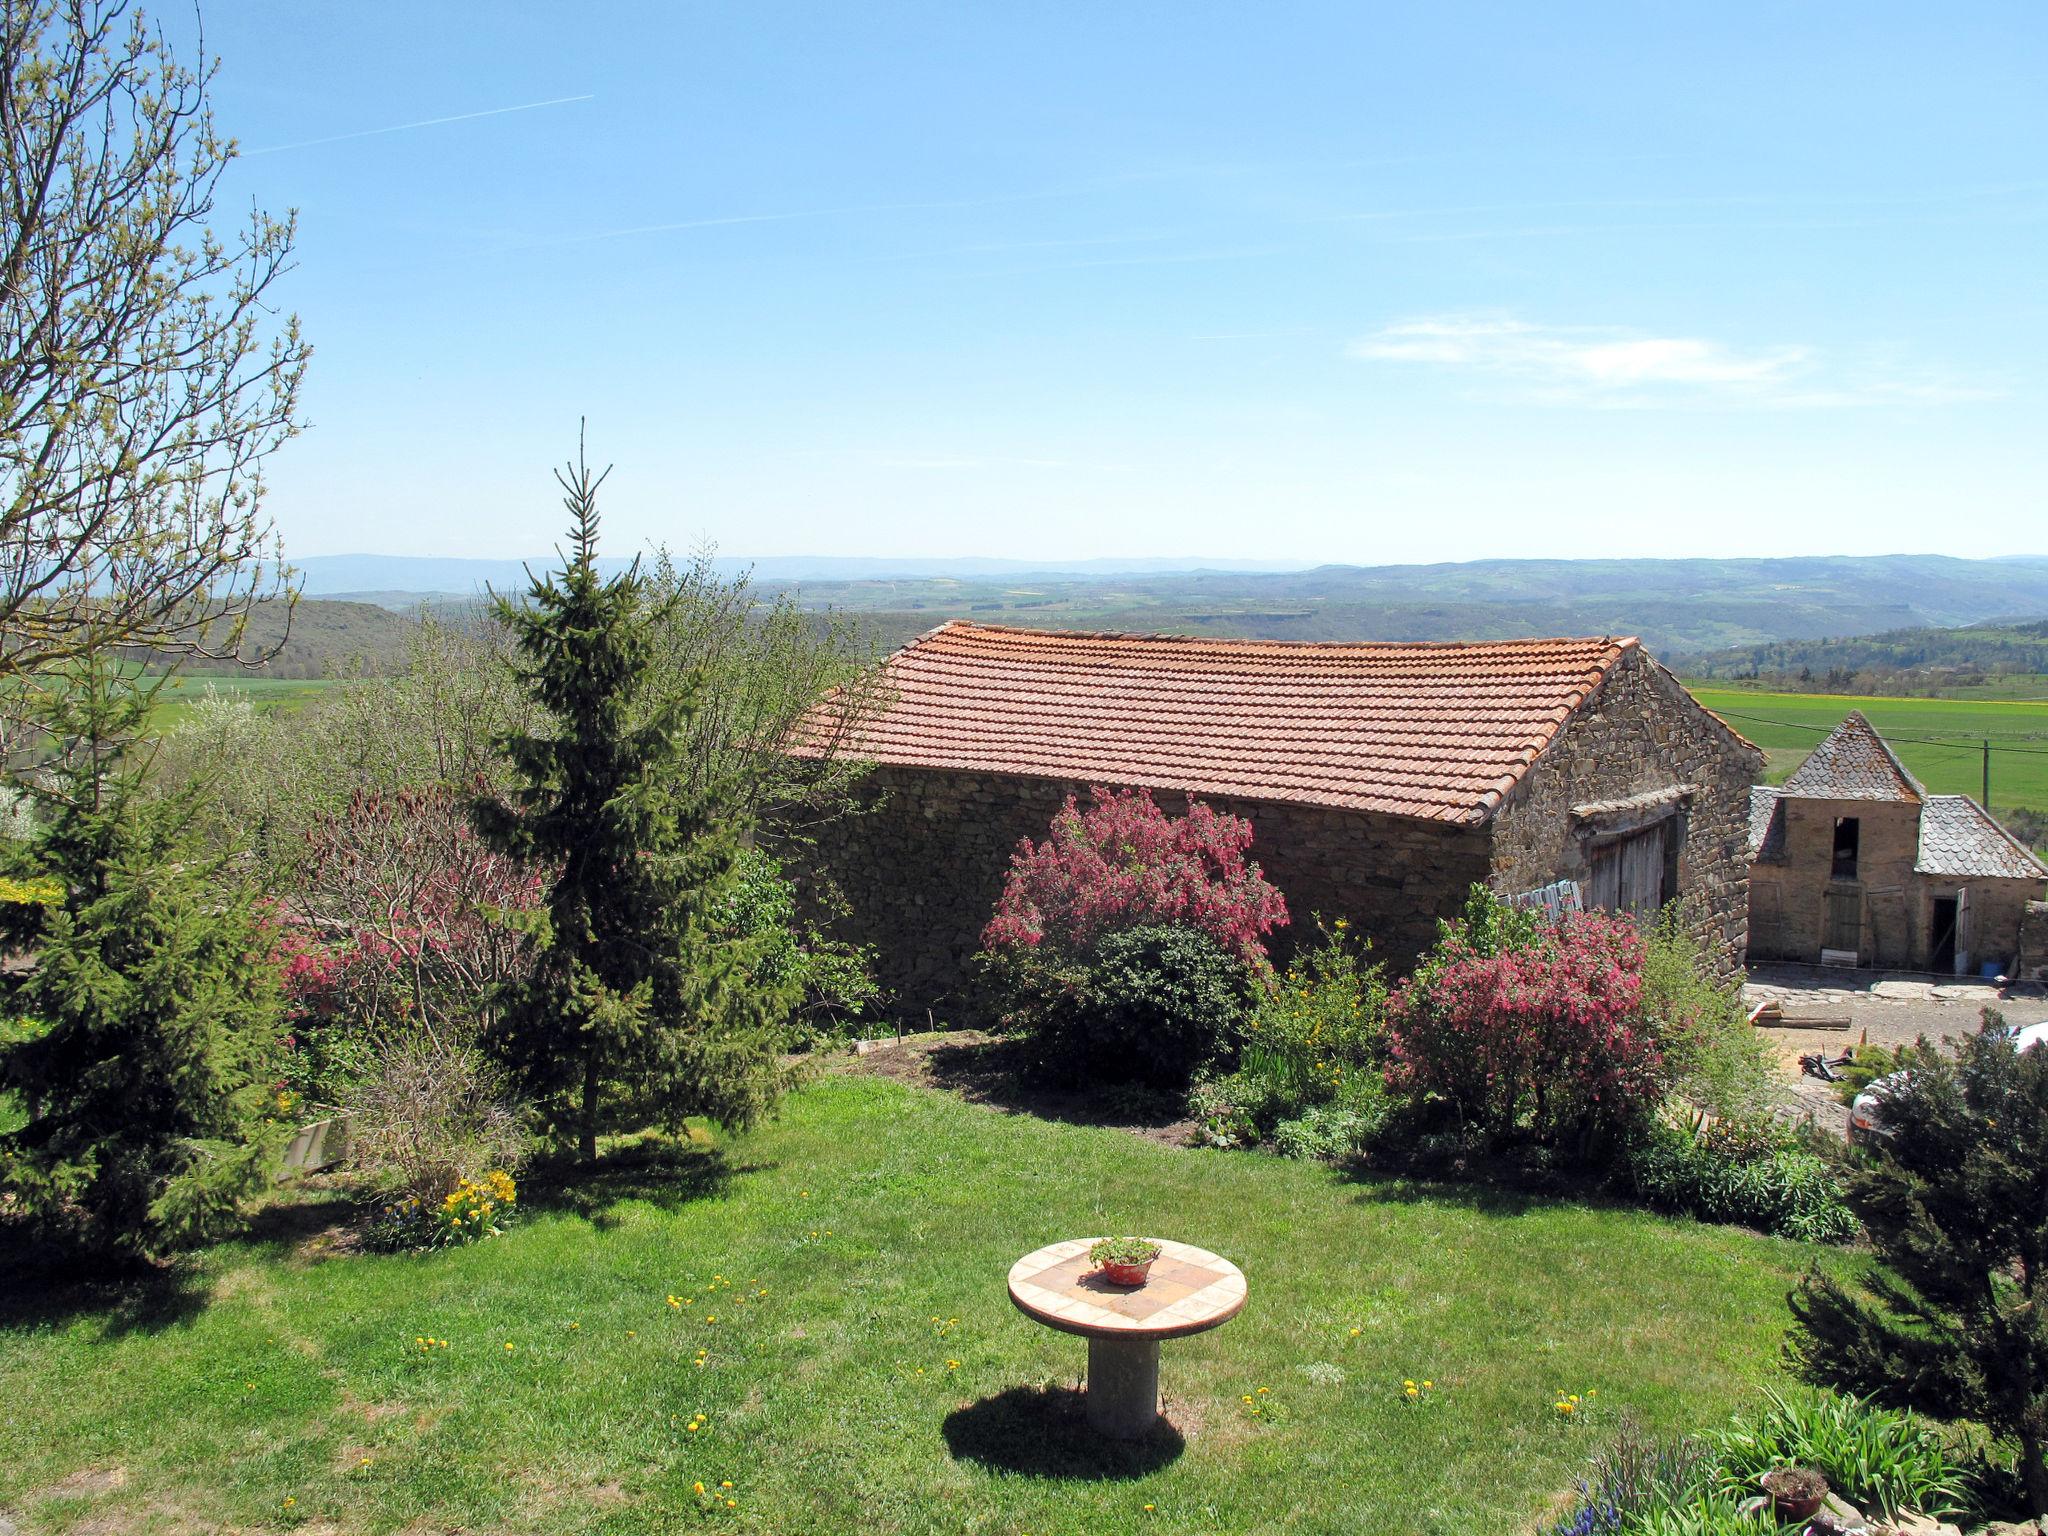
(402, 580)
(1722, 618)
(1673, 605)
(325, 639)
(1899, 661)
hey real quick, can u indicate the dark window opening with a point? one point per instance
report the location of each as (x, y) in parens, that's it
(1848, 833)
(1942, 940)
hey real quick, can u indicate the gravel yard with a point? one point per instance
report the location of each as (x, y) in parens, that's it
(1883, 1008)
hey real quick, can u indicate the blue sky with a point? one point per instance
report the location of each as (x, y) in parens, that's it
(1280, 281)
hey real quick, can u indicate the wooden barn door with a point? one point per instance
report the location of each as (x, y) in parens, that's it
(1628, 874)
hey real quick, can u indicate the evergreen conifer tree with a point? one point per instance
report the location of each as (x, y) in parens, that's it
(645, 1003)
(1955, 1323)
(146, 1060)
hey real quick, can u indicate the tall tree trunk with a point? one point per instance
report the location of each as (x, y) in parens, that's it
(2035, 1471)
(586, 1147)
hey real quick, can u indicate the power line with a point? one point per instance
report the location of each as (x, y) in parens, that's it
(1922, 741)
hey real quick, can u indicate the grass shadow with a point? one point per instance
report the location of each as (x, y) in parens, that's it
(1507, 1191)
(997, 1073)
(655, 1170)
(51, 1284)
(1043, 1432)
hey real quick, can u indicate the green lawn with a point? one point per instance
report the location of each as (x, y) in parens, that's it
(179, 694)
(862, 1240)
(1789, 725)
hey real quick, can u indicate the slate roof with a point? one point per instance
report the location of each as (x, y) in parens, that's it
(1853, 763)
(1766, 826)
(1958, 837)
(1440, 731)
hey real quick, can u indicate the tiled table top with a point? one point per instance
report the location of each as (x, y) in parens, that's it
(1188, 1290)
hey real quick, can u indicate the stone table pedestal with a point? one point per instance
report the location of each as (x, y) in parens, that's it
(1189, 1290)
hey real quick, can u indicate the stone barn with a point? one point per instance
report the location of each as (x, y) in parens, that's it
(1381, 780)
(1853, 863)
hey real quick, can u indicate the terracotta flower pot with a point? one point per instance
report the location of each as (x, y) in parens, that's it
(1125, 1274)
(1796, 1494)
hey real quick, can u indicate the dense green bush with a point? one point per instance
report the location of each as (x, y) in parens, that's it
(1150, 1005)
(1713, 1058)
(1309, 1058)
(1335, 1132)
(1756, 1172)
(1880, 1461)
(1707, 1485)
(834, 980)
(1953, 1319)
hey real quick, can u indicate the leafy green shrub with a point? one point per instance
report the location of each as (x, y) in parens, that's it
(1707, 1485)
(1953, 1318)
(1753, 1172)
(1879, 1460)
(1713, 1058)
(1333, 1132)
(835, 980)
(1316, 1039)
(1866, 1066)
(1150, 1005)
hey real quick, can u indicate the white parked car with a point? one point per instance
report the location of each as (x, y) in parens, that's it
(1866, 1110)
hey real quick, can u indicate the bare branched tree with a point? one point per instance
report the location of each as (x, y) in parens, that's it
(144, 378)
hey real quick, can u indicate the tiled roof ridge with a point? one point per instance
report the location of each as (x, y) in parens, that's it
(1617, 643)
(1823, 765)
(1919, 789)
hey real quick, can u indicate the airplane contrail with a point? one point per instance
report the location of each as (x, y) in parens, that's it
(428, 122)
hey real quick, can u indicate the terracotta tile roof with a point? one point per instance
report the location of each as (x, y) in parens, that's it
(1957, 837)
(1438, 731)
(1853, 763)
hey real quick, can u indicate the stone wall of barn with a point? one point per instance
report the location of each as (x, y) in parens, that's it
(2033, 962)
(1616, 766)
(1789, 901)
(921, 869)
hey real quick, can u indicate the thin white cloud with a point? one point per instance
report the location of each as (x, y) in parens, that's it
(425, 122)
(1609, 366)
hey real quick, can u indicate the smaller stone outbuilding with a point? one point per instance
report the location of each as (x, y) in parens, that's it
(1852, 862)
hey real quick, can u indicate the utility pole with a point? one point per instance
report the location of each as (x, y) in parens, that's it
(1987, 773)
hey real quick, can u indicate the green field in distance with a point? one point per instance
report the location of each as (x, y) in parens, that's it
(1947, 759)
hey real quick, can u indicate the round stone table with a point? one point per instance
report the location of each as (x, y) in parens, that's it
(1189, 1290)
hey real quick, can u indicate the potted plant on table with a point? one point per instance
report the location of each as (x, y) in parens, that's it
(1797, 1493)
(1124, 1260)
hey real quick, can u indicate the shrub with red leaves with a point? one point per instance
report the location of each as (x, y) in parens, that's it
(401, 916)
(1124, 863)
(1543, 1036)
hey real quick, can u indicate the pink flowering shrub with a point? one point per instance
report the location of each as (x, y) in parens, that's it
(1128, 945)
(1124, 863)
(1514, 1027)
(401, 918)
